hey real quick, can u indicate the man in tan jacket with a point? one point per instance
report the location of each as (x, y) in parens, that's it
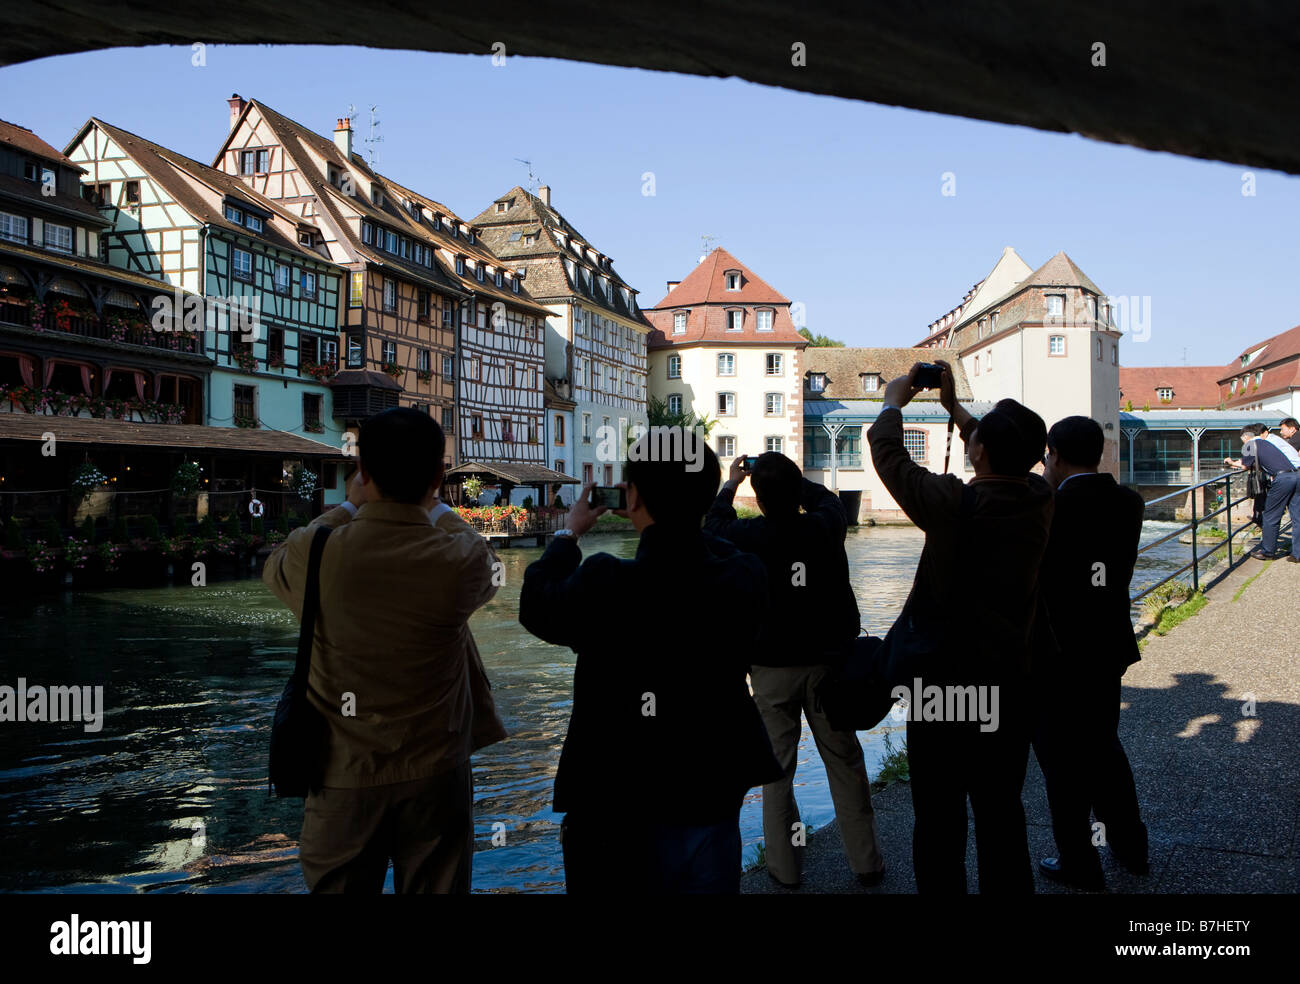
(394, 669)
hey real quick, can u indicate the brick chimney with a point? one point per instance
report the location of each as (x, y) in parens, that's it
(544, 193)
(672, 285)
(343, 138)
(237, 104)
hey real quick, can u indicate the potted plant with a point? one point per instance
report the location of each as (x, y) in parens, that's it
(393, 369)
(246, 361)
(88, 479)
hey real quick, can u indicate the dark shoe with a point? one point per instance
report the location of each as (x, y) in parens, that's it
(872, 878)
(1052, 871)
(1259, 554)
(1134, 866)
(1292, 559)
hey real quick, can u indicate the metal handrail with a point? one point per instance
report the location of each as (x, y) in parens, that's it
(1194, 565)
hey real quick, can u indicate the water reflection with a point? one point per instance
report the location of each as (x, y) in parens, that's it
(171, 795)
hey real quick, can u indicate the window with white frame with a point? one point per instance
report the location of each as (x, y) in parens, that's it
(390, 353)
(282, 278)
(817, 382)
(1099, 350)
(726, 364)
(674, 403)
(733, 280)
(422, 362)
(776, 444)
(329, 352)
(586, 428)
(763, 321)
(679, 322)
(460, 266)
(870, 382)
(390, 295)
(1165, 393)
(726, 404)
(775, 364)
(308, 284)
(58, 237)
(735, 320)
(234, 214)
(726, 446)
(13, 227)
(354, 351)
(1114, 354)
(674, 367)
(241, 263)
(1055, 305)
(1056, 345)
(253, 222)
(773, 404)
(448, 367)
(914, 442)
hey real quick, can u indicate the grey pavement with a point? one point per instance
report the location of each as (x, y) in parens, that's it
(1219, 787)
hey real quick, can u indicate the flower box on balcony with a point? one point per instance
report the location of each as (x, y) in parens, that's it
(246, 361)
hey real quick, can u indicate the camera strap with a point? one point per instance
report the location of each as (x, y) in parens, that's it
(947, 453)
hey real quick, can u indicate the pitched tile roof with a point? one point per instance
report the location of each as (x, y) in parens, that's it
(28, 142)
(186, 180)
(1278, 358)
(707, 284)
(85, 265)
(704, 296)
(1195, 387)
(548, 277)
(845, 367)
(82, 430)
(392, 213)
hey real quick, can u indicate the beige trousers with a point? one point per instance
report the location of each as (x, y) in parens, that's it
(783, 693)
(425, 826)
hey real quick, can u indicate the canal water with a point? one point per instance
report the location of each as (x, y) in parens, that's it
(171, 794)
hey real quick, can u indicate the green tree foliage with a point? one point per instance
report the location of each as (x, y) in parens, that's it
(659, 416)
(820, 341)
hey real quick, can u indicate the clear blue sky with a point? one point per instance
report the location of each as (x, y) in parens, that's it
(836, 203)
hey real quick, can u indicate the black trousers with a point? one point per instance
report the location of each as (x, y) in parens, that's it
(611, 855)
(950, 761)
(1076, 741)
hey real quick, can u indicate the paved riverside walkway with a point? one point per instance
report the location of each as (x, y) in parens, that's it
(1220, 791)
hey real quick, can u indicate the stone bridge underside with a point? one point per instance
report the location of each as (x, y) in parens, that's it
(1206, 79)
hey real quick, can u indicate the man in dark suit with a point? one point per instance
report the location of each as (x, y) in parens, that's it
(664, 738)
(976, 586)
(809, 623)
(1085, 579)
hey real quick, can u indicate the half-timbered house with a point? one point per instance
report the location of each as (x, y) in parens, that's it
(399, 306)
(271, 292)
(595, 335)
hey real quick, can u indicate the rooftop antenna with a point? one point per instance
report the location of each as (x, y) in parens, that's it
(373, 138)
(706, 245)
(532, 178)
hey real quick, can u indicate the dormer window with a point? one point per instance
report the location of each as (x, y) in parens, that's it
(253, 222)
(1165, 394)
(764, 321)
(514, 284)
(530, 238)
(506, 206)
(993, 321)
(735, 320)
(1055, 305)
(460, 266)
(436, 219)
(234, 215)
(817, 382)
(455, 229)
(500, 278)
(473, 237)
(733, 279)
(304, 239)
(478, 272)
(377, 194)
(679, 322)
(132, 193)
(870, 382)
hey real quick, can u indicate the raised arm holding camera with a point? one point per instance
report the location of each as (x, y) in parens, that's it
(664, 739)
(976, 591)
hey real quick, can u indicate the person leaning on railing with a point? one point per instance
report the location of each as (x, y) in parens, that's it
(1281, 462)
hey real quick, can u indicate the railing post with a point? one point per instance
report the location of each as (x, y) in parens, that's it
(1227, 502)
(1196, 564)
